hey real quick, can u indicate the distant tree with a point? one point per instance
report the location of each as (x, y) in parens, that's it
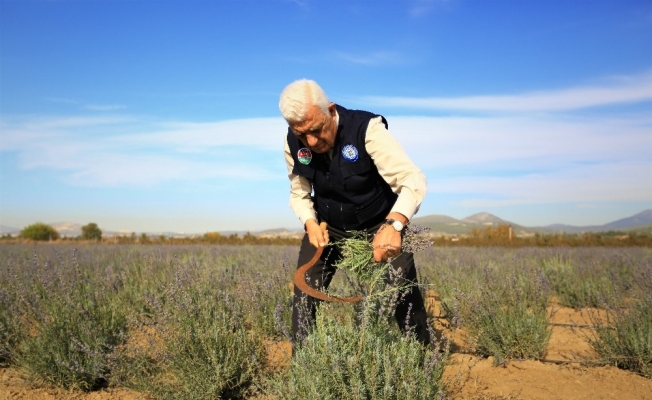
(91, 232)
(143, 238)
(39, 231)
(213, 237)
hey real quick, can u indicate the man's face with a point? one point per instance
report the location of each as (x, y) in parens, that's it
(317, 131)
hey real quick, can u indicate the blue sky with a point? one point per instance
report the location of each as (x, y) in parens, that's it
(162, 115)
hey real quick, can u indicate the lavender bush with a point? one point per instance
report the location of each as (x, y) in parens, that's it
(203, 350)
(73, 321)
(625, 339)
(344, 359)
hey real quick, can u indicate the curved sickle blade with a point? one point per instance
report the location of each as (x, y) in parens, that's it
(300, 282)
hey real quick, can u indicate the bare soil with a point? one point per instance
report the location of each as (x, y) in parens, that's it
(569, 369)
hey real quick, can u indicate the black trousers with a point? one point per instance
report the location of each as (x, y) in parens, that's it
(410, 310)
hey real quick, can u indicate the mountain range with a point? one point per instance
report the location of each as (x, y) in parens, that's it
(445, 225)
(438, 225)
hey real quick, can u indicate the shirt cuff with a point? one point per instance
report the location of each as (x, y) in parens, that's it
(304, 216)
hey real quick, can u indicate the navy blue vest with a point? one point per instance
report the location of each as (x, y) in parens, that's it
(348, 193)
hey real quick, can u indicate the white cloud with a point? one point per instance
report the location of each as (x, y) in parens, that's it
(419, 8)
(380, 58)
(105, 107)
(260, 133)
(300, 4)
(531, 160)
(118, 151)
(61, 100)
(604, 183)
(632, 89)
(522, 141)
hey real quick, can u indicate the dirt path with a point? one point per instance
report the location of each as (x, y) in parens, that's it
(468, 376)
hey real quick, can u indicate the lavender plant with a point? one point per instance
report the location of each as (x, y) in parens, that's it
(12, 330)
(507, 320)
(267, 296)
(207, 351)
(362, 356)
(625, 339)
(338, 360)
(75, 326)
(576, 287)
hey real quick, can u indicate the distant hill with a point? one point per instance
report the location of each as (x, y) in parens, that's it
(69, 229)
(484, 218)
(636, 223)
(640, 219)
(445, 225)
(9, 230)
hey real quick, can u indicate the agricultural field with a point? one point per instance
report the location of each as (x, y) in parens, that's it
(212, 321)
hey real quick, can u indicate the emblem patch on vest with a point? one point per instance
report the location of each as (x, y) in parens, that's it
(304, 155)
(350, 153)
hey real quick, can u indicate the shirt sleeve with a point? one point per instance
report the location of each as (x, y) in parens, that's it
(396, 168)
(300, 191)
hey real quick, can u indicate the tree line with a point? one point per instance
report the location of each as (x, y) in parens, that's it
(490, 236)
(40, 231)
(502, 235)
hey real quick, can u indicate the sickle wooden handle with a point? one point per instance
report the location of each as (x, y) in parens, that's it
(300, 280)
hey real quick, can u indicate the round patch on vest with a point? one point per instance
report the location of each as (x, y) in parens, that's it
(304, 155)
(350, 153)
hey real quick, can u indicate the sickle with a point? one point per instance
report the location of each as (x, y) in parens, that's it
(300, 280)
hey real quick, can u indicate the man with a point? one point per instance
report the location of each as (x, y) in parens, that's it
(346, 169)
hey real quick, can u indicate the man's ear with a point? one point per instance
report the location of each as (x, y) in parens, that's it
(332, 109)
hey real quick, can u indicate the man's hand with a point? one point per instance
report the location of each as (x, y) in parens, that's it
(317, 235)
(387, 242)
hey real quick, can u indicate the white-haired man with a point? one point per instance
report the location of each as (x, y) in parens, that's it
(347, 170)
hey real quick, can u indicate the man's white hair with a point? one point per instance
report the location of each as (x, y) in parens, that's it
(298, 96)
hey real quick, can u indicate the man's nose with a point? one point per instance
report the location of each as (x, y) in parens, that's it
(311, 140)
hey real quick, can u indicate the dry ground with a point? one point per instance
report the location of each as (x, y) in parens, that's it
(572, 377)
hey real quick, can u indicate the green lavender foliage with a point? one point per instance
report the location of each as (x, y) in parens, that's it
(346, 360)
(628, 343)
(503, 310)
(625, 339)
(74, 322)
(12, 330)
(267, 297)
(207, 351)
(576, 287)
(358, 260)
(509, 321)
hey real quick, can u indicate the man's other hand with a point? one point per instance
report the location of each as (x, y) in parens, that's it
(317, 235)
(387, 243)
